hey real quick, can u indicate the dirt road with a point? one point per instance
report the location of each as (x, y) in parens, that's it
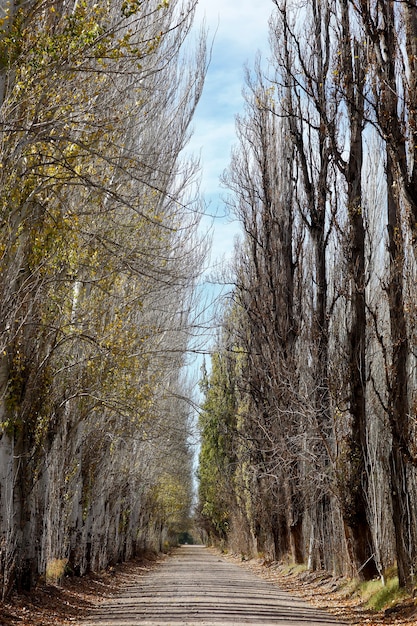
(196, 587)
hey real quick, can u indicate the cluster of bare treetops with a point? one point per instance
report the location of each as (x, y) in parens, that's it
(310, 406)
(99, 261)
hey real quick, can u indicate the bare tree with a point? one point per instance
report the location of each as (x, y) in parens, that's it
(390, 28)
(260, 179)
(303, 74)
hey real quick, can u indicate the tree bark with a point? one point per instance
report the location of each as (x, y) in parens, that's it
(357, 529)
(398, 399)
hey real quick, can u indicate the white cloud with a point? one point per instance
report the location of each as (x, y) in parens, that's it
(212, 140)
(242, 22)
(240, 28)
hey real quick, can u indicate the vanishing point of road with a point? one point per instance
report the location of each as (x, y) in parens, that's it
(196, 587)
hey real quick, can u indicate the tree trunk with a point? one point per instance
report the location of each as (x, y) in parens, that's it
(357, 530)
(398, 402)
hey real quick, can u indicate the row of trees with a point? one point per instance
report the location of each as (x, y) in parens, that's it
(99, 260)
(308, 422)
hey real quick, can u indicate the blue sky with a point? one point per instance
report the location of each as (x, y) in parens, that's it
(240, 29)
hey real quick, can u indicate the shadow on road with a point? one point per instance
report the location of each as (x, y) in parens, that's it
(197, 587)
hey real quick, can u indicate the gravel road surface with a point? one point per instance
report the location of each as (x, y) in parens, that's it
(196, 587)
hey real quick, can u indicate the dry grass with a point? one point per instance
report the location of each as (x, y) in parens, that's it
(55, 571)
(366, 604)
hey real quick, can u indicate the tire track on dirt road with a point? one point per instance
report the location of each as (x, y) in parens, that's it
(195, 587)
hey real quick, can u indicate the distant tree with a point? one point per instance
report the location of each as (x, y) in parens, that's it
(216, 460)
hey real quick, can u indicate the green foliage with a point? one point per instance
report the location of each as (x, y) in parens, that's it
(130, 7)
(380, 596)
(377, 594)
(172, 502)
(47, 211)
(69, 41)
(186, 538)
(216, 462)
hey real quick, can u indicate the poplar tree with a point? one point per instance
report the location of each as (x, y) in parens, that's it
(98, 264)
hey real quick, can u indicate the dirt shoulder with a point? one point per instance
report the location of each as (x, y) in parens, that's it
(332, 594)
(67, 603)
